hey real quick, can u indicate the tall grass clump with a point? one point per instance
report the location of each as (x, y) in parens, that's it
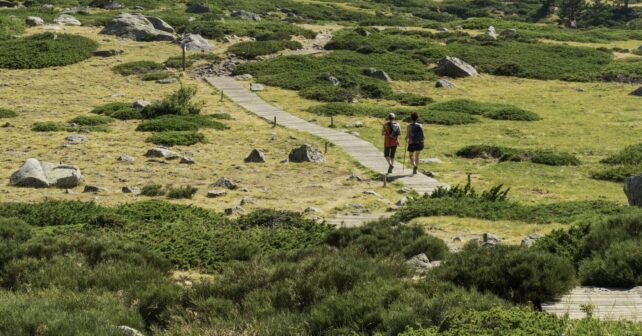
(45, 50)
(6, 113)
(121, 111)
(178, 103)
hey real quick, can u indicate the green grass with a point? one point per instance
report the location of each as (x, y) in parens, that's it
(6, 113)
(43, 51)
(137, 68)
(617, 173)
(179, 123)
(505, 154)
(176, 138)
(176, 62)
(252, 50)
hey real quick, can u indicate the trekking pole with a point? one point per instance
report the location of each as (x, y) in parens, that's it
(403, 164)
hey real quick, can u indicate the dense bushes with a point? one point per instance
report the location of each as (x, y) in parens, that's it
(43, 50)
(122, 111)
(179, 123)
(10, 26)
(251, 50)
(49, 126)
(91, 120)
(489, 110)
(617, 173)
(631, 155)
(505, 154)
(176, 62)
(176, 138)
(178, 103)
(6, 113)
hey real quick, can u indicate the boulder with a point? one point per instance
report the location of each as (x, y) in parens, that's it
(510, 32)
(140, 104)
(8, 4)
(378, 74)
(491, 32)
(637, 92)
(198, 8)
(126, 158)
(140, 28)
(454, 67)
(187, 160)
(224, 182)
(444, 83)
(108, 53)
(255, 87)
(76, 139)
(93, 189)
(216, 193)
(256, 156)
(68, 20)
(40, 174)
(246, 15)
(161, 152)
(195, 42)
(244, 77)
(131, 190)
(129, 331)
(333, 80)
(529, 240)
(305, 153)
(33, 21)
(113, 5)
(633, 190)
(421, 263)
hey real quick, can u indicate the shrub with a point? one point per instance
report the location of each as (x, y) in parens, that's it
(178, 104)
(152, 190)
(176, 62)
(180, 123)
(42, 51)
(181, 192)
(328, 93)
(617, 265)
(5, 113)
(137, 68)
(504, 154)
(489, 110)
(121, 111)
(91, 120)
(48, 127)
(157, 75)
(251, 50)
(617, 173)
(52, 213)
(177, 138)
(10, 27)
(631, 155)
(108, 220)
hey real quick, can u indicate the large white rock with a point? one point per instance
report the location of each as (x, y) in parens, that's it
(195, 42)
(40, 174)
(454, 67)
(67, 20)
(140, 28)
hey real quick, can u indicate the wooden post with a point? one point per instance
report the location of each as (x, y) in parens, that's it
(221, 96)
(385, 180)
(331, 121)
(184, 62)
(326, 148)
(274, 125)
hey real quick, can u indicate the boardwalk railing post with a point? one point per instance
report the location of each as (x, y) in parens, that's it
(331, 121)
(326, 148)
(274, 125)
(385, 180)
(221, 96)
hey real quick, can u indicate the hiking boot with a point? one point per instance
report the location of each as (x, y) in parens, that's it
(390, 168)
(414, 170)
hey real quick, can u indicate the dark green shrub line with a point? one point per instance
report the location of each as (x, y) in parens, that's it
(176, 62)
(617, 173)
(176, 138)
(179, 103)
(180, 123)
(505, 154)
(91, 120)
(121, 111)
(49, 126)
(43, 51)
(254, 49)
(631, 155)
(6, 113)
(157, 75)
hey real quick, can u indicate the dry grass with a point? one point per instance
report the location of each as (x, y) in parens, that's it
(59, 94)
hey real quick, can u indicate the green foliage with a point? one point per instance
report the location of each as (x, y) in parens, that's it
(516, 274)
(157, 75)
(176, 138)
(91, 120)
(261, 30)
(631, 155)
(505, 154)
(43, 51)
(153, 190)
(179, 103)
(251, 50)
(10, 26)
(49, 126)
(138, 68)
(122, 111)
(411, 99)
(617, 173)
(489, 110)
(180, 123)
(6, 113)
(51, 213)
(381, 111)
(618, 265)
(185, 192)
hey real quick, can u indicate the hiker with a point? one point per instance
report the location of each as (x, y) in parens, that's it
(415, 137)
(391, 132)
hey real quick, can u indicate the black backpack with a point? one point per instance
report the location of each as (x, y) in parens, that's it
(416, 133)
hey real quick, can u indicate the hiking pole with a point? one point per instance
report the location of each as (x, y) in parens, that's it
(403, 164)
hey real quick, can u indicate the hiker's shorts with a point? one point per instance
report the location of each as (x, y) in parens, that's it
(390, 152)
(418, 147)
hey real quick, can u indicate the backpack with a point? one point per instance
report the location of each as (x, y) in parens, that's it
(395, 130)
(416, 133)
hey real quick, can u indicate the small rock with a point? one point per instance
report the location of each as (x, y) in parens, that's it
(357, 124)
(443, 29)
(128, 331)
(93, 189)
(454, 67)
(431, 161)
(362, 31)
(333, 80)
(187, 160)
(255, 87)
(216, 193)
(256, 156)
(126, 158)
(224, 182)
(444, 83)
(371, 193)
(140, 104)
(491, 32)
(244, 77)
(160, 152)
(420, 263)
(234, 210)
(108, 53)
(284, 161)
(529, 240)
(306, 153)
(198, 8)
(312, 210)
(247, 200)
(131, 190)
(428, 173)
(170, 80)
(76, 139)
(33, 21)
(457, 239)
(488, 239)
(378, 74)
(67, 20)
(510, 32)
(245, 15)
(354, 177)
(403, 201)
(69, 191)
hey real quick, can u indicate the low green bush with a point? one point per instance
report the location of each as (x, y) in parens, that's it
(218, 29)
(176, 138)
(186, 192)
(251, 50)
(176, 62)
(631, 155)
(617, 173)
(10, 27)
(505, 154)
(43, 51)
(180, 123)
(157, 75)
(121, 111)
(616, 266)
(49, 126)
(6, 113)
(489, 110)
(91, 120)
(138, 68)
(179, 103)
(153, 190)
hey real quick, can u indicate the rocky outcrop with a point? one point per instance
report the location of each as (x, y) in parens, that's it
(40, 174)
(454, 67)
(195, 42)
(377, 74)
(633, 190)
(140, 28)
(33, 21)
(306, 153)
(445, 84)
(68, 20)
(256, 156)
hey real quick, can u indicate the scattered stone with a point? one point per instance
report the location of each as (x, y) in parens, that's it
(491, 32)
(39, 174)
(431, 161)
(306, 153)
(247, 200)
(428, 173)
(362, 31)
(8, 4)
(131, 190)
(244, 77)
(69, 191)
(140, 28)
(637, 92)
(126, 158)
(187, 160)
(128, 331)
(421, 263)
(234, 210)
(529, 240)
(68, 20)
(256, 156)
(457, 239)
(510, 32)
(76, 139)
(445, 84)
(371, 193)
(93, 189)
(48, 6)
(198, 8)
(224, 182)
(216, 193)
(633, 190)
(141, 104)
(33, 21)
(7, 125)
(454, 67)
(443, 29)
(403, 201)
(489, 239)
(312, 210)
(285, 161)
(160, 152)
(113, 5)
(378, 74)
(354, 177)
(245, 15)
(108, 53)
(255, 87)
(195, 42)
(333, 80)
(170, 80)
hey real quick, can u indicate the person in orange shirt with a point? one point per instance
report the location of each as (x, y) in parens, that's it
(391, 133)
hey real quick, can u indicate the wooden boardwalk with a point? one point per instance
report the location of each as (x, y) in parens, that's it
(362, 151)
(609, 304)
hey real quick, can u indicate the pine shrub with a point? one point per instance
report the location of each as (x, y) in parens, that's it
(45, 50)
(176, 138)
